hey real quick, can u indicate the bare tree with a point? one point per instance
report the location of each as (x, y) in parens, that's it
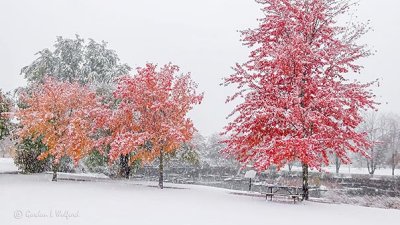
(393, 140)
(375, 127)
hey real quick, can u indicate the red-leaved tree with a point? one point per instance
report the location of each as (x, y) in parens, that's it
(59, 113)
(298, 101)
(151, 116)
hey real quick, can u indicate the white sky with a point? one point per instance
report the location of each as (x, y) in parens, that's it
(198, 35)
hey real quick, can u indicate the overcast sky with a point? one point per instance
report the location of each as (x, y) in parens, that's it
(198, 35)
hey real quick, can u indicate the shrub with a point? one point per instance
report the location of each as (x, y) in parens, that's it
(26, 156)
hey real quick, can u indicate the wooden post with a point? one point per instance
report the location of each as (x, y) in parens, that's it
(250, 185)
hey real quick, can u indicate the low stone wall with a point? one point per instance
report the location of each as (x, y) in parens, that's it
(354, 185)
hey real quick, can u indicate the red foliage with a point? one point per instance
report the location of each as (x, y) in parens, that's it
(151, 113)
(298, 104)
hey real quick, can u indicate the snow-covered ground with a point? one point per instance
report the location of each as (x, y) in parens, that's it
(7, 165)
(34, 199)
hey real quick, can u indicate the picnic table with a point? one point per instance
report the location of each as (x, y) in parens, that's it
(293, 192)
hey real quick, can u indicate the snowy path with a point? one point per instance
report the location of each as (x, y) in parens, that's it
(37, 201)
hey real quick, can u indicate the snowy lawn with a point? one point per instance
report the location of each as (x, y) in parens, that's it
(34, 199)
(7, 165)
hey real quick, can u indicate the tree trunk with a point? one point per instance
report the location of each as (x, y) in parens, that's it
(124, 166)
(337, 164)
(161, 171)
(371, 166)
(368, 166)
(55, 170)
(393, 163)
(305, 181)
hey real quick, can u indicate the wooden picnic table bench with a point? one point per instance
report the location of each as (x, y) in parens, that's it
(293, 192)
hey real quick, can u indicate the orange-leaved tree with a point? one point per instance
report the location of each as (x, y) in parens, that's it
(151, 117)
(59, 113)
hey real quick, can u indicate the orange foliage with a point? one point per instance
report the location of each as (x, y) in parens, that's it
(60, 113)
